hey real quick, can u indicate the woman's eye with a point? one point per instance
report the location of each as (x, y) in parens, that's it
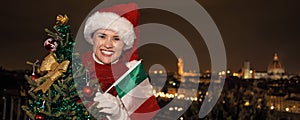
(116, 38)
(101, 36)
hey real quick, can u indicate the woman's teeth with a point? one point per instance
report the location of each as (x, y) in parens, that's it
(107, 52)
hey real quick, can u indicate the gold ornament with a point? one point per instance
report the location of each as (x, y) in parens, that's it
(60, 19)
(55, 70)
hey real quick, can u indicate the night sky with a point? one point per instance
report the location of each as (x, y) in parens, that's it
(252, 30)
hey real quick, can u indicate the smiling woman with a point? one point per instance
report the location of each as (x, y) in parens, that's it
(112, 33)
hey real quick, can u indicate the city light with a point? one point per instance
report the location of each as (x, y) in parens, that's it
(235, 74)
(287, 109)
(247, 103)
(179, 109)
(170, 95)
(228, 71)
(175, 108)
(180, 96)
(272, 107)
(223, 72)
(258, 107)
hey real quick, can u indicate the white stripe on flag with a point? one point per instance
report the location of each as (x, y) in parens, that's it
(137, 96)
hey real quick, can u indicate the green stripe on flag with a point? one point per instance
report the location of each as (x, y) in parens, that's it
(134, 78)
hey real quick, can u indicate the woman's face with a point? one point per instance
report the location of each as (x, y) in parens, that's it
(107, 46)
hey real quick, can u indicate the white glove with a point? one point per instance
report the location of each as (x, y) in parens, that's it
(111, 105)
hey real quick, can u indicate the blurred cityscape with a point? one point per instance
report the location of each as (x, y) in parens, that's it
(246, 94)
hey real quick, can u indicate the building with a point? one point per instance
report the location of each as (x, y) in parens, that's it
(275, 69)
(260, 75)
(180, 66)
(246, 71)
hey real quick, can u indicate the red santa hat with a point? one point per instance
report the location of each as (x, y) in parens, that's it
(121, 19)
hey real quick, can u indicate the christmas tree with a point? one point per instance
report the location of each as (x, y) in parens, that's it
(54, 93)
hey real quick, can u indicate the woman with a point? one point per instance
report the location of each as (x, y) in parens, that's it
(113, 33)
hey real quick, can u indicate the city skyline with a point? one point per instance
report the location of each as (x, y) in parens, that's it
(251, 30)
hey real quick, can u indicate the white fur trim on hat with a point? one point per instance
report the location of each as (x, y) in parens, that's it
(110, 21)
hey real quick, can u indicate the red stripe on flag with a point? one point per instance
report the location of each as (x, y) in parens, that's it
(149, 108)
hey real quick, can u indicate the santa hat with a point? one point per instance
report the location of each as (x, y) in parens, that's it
(121, 19)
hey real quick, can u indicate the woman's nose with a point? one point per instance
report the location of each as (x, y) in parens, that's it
(108, 43)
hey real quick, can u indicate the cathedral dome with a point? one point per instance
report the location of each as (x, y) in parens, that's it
(275, 67)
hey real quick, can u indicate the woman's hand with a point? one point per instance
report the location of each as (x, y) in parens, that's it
(112, 106)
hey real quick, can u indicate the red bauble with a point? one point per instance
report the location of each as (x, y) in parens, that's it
(39, 116)
(50, 44)
(33, 76)
(88, 91)
(78, 101)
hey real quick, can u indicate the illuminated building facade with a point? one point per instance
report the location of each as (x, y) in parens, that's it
(275, 69)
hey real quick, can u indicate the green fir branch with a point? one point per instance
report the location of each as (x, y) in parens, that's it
(67, 40)
(42, 80)
(62, 57)
(65, 87)
(80, 93)
(24, 107)
(73, 96)
(35, 108)
(59, 83)
(49, 95)
(73, 113)
(72, 88)
(47, 113)
(28, 112)
(79, 72)
(31, 82)
(74, 118)
(56, 98)
(58, 114)
(44, 97)
(58, 89)
(69, 78)
(74, 91)
(48, 106)
(54, 35)
(32, 95)
(30, 102)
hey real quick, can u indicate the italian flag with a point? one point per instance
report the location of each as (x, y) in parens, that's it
(135, 91)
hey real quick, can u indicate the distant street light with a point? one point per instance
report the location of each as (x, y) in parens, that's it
(247, 103)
